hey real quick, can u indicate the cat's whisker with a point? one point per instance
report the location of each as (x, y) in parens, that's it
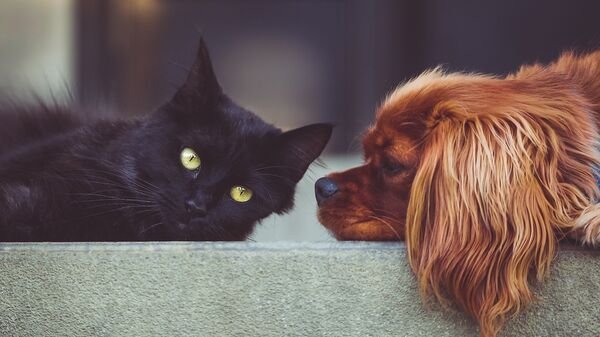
(261, 168)
(150, 227)
(269, 196)
(116, 187)
(108, 212)
(108, 197)
(86, 179)
(87, 196)
(143, 191)
(118, 208)
(97, 204)
(141, 183)
(226, 234)
(285, 179)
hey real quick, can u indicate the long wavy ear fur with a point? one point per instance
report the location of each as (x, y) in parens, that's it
(493, 194)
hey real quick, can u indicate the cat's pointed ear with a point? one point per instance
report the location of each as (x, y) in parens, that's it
(201, 86)
(298, 148)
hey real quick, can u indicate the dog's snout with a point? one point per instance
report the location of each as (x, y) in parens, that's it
(325, 188)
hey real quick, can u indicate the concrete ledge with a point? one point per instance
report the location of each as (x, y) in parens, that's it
(253, 289)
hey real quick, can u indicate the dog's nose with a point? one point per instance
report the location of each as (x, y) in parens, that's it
(324, 189)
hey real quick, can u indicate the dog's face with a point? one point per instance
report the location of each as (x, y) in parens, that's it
(480, 176)
(370, 202)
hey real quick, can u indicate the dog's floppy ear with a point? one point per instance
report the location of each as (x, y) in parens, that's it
(488, 197)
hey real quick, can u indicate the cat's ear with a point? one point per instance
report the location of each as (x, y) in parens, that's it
(201, 86)
(298, 148)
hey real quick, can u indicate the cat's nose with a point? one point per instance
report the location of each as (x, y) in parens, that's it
(195, 208)
(325, 188)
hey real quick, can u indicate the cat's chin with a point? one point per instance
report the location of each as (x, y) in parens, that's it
(185, 227)
(192, 225)
(195, 222)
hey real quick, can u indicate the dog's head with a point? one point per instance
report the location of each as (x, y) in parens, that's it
(480, 176)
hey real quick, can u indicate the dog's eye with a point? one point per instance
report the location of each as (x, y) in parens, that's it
(391, 167)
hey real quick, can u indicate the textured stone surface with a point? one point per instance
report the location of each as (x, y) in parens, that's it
(255, 289)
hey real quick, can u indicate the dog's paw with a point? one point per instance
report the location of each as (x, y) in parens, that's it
(587, 227)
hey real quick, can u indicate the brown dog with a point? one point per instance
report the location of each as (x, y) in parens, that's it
(481, 176)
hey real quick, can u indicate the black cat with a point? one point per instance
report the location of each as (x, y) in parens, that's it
(198, 168)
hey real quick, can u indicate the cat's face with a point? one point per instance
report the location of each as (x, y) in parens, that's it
(219, 168)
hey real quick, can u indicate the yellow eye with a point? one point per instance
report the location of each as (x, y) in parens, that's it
(240, 193)
(189, 159)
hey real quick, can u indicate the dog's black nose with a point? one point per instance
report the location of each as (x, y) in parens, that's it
(324, 189)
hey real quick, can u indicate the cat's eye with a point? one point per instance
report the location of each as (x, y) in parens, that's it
(240, 193)
(189, 159)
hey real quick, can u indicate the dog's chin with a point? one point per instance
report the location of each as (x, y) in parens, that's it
(353, 228)
(340, 228)
(335, 222)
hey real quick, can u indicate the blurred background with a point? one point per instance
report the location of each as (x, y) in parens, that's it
(293, 62)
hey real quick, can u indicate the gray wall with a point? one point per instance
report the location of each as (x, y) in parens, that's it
(252, 289)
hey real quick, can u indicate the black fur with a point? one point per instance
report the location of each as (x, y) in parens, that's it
(63, 179)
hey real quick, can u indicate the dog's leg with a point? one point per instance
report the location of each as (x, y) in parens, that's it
(587, 226)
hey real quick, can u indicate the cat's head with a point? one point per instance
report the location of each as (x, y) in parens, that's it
(219, 167)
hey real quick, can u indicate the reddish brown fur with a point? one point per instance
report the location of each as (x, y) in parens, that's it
(495, 173)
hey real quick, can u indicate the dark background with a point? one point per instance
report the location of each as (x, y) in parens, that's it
(293, 62)
(296, 62)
